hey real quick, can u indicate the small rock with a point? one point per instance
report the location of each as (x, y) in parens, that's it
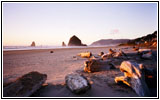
(51, 51)
(77, 83)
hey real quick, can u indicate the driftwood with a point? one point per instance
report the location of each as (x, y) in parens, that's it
(134, 77)
(25, 85)
(144, 51)
(112, 54)
(101, 53)
(135, 48)
(77, 83)
(111, 51)
(85, 54)
(94, 65)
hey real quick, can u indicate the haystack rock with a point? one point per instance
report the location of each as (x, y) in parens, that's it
(33, 44)
(75, 41)
(63, 44)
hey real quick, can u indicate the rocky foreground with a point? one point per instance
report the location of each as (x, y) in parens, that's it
(121, 72)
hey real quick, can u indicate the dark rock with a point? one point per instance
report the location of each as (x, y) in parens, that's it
(63, 44)
(33, 44)
(75, 41)
(145, 40)
(25, 85)
(77, 83)
(51, 51)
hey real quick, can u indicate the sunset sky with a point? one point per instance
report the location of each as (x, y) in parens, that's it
(53, 23)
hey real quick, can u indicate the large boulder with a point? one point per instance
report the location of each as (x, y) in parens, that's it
(25, 85)
(75, 41)
(77, 83)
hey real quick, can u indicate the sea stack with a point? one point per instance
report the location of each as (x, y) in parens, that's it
(33, 44)
(75, 41)
(63, 44)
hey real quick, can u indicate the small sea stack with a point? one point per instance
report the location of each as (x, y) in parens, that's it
(33, 44)
(63, 44)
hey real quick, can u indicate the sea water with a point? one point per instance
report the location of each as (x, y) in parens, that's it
(11, 48)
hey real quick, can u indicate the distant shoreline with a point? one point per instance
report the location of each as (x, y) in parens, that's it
(26, 48)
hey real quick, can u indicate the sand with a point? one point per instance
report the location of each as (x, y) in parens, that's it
(62, 62)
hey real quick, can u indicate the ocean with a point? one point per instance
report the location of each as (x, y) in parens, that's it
(11, 48)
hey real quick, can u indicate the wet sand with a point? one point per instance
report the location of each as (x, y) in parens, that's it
(62, 62)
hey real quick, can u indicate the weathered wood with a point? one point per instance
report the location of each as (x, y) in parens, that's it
(94, 65)
(85, 54)
(111, 51)
(25, 85)
(101, 53)
(143, 51)
(120, 54)
(77, 83)
(134, 77)
(113, 54)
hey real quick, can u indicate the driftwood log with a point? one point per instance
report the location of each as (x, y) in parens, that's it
(94, 65)
(25, 85)
(134, 77)
(85, 54)
(112, 54)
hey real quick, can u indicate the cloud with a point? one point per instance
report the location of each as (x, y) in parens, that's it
(114, 31)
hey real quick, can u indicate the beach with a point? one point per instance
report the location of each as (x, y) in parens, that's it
(64, 61)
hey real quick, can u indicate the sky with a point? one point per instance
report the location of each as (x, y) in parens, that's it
(53, 23)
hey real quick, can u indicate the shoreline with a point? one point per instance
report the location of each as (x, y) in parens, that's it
(50, 49)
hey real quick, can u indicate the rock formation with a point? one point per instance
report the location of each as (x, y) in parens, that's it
(63, 44)
(33, 44)
(25, 85)
(77, 83)
(75, 41)
(110, 41)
